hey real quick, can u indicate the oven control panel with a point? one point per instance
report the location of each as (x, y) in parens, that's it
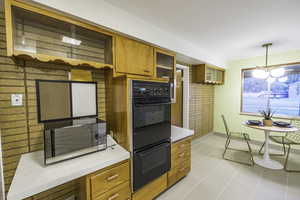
(150, 89)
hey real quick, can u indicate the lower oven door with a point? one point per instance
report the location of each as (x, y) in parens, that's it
(150, 163)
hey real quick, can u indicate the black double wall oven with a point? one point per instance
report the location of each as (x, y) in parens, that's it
(151, 104)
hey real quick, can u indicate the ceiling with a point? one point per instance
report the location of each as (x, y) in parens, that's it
(229, 29)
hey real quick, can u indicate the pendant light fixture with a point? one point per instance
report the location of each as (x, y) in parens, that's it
(265, 72)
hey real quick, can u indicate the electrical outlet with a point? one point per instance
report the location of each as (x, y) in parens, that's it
(16, 99)
(71, 198)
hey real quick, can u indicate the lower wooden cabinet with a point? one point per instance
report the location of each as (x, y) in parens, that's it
(104, 181)
(112, 183)
(180, 160)
(151, 190)
(121, 192)
(179, 172)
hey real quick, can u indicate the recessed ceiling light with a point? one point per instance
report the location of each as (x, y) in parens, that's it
(72, 41)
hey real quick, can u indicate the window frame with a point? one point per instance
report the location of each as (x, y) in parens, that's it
(286, 117)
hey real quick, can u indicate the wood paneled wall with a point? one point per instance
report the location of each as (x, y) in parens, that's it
(33, 71)
(201, 108)
(21, 133)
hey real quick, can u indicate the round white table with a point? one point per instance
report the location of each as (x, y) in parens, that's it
(266, 161)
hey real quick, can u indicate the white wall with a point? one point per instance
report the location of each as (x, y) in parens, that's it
(104, 14)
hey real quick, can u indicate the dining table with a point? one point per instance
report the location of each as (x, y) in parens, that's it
(266, 160)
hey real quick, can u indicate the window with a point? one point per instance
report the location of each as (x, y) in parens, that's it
(284, 92)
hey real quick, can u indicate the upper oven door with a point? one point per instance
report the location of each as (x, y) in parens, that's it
(151, 124)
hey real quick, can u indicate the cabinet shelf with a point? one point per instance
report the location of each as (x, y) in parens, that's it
(208, 74)
(59, 60)
(164, 67)
(36, 33)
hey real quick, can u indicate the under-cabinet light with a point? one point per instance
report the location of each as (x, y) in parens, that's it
(72, 41)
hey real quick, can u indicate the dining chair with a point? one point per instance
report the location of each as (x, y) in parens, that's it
(289, 140)
(231, 135)
(277, 138)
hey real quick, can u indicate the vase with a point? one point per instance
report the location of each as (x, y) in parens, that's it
(267, 122)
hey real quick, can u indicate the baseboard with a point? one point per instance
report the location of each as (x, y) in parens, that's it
(202, 137)
(257, 142)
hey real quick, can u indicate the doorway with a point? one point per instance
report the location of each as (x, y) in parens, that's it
(177, 108)
(180, 109)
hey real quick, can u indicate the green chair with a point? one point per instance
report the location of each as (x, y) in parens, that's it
(231, 135)
(288, 140)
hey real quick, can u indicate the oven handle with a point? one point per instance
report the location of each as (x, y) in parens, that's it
(150, 104)
(145, 152)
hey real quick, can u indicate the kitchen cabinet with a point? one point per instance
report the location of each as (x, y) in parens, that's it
(165, 67)
(36, 33)
(133, 57)
(152, 189)
(165, 64)
(208, 74)
(112, 183)
(180, 160)
(121, 192)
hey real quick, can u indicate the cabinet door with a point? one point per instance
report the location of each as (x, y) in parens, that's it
(133, 57)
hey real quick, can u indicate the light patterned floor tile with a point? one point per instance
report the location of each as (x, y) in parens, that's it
(213, 178)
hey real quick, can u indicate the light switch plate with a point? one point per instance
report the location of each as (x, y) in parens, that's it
(16, 99)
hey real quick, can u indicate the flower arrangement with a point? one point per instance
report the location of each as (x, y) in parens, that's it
(267, 115)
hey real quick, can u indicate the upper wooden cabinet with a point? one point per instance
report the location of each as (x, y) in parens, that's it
(209, 74)
(165, 67)
(165, 64)
(47, 36)
(133, 57)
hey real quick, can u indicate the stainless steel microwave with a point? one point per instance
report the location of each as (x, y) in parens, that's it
(73, 138)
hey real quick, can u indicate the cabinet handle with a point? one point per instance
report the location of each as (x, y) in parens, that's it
(113, 196)
(147, 71)
(181, 155)
(112, 177)
(182, 169)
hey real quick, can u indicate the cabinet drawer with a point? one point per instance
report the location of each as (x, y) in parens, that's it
(181, 146)
(121, 192)
(179, 172)
(180, 152)
(108, 179)
(178, 158)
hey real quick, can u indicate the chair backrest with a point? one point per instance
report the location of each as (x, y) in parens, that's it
(225, 124)
(295, 136)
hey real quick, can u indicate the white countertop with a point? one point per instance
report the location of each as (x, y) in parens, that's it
(33, 177)
(178, 133)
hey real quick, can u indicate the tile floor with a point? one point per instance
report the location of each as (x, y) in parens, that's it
(213, 178)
